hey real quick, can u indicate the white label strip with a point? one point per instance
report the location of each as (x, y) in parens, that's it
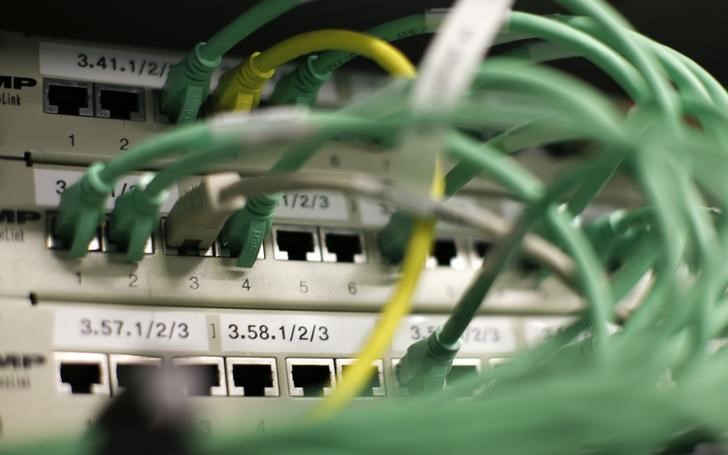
(485, 334)
(306, 334)
(313, 205)
(89, 328)
(446, 72)
(537, 330)
(374, 213)
(377, 214)
(105, 65)
(50, 184)
(113, 66)
(449, 65)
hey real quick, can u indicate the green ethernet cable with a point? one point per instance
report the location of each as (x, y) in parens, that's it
(188, 82)
(534, 26)
(133, 205)
(259, 216)
(82, 204)
(555, 398)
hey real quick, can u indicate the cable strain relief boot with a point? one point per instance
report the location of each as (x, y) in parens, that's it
(240, 88)
(300, 86)
(244, 232)
(392, 239)
(188, 85)
(134, 219)
(81, 211)
(426, 364)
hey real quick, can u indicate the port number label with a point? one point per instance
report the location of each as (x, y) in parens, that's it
(287, 332)
(105, 65)
(313, 205)
(82, 328)
(51, 183)
(484, 334)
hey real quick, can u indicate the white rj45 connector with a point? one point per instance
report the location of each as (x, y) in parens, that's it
(199, 215)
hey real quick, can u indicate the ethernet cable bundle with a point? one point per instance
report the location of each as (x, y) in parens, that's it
(654, 384)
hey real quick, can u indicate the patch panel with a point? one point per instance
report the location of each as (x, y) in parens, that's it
(301, 243)
(88, 373)
(360, 284)
(256, 374)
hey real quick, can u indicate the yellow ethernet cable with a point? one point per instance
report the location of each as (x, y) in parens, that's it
(358, 375)
(240, 87)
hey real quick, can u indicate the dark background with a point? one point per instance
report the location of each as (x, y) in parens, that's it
(693, 27)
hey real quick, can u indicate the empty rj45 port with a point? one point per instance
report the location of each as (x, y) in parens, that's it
(252, 377)
(127, 370)
(526, 265)
(296, 243)
(463, 369)
(68, 97)
(310, 377)
(446, 253)
(480, 250)
(375, 388)
(343, 246)
(119, 102)
(203, 376)
(80, 373)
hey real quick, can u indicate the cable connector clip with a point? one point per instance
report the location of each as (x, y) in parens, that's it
(300, 86)
(244, 232)
(81, 211)
(134, 218)
(198, 216)
(392, 238)
(426, 364)
(187, 86)
(240, 88)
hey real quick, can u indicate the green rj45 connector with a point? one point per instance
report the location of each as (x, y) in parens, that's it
(426, 365)
(188, 85)
(134, 219)
(300, 86)
(244, 231)
(81, 211)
